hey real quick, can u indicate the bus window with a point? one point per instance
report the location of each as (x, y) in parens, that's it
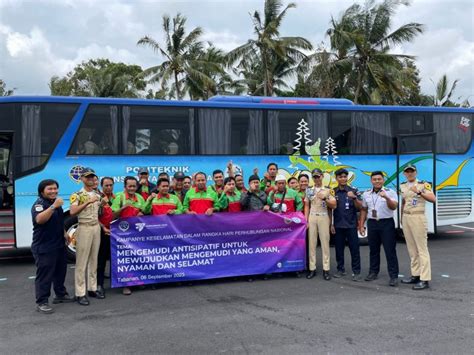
(371, 133)
(413, 123)
(453, 132)
(152, 130)
(236, 132)
(42, 125)
(98, 132)
(341, 131)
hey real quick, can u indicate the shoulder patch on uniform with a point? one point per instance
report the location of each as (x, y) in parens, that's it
(403, 183)
(427, 186)
(73, 198)
(332, 192)
(39, 208)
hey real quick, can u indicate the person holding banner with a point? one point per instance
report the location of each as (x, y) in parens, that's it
(163, 202)
(200, 199)
(284, 200)
(128, 203)
(230, 198)
(254, 199)
(317, 203)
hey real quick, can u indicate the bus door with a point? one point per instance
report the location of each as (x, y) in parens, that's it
(419, 150)
(7, 235)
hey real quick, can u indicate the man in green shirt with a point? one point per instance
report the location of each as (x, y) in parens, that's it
(268, 182)
(128, 203)
(163, 202)
(283, 199)
(200, 199)
(218, 187)
(230, 198)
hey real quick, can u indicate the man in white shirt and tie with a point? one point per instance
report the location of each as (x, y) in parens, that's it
(379, 204)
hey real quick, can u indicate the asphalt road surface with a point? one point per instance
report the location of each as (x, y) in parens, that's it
(279, 316)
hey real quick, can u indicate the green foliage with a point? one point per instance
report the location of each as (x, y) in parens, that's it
(3, 89)
(100, 78)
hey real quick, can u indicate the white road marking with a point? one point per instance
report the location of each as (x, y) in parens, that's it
(444, 275)
(3, 279)
(463, 227)
(31, 277)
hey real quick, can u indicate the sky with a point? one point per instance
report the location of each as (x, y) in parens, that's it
(42, 38)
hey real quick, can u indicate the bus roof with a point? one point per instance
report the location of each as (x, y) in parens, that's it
(239, 102)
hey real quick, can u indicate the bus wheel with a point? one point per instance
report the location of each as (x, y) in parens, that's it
(70, 226)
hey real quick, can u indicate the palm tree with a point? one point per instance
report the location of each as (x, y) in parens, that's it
(180, 65)
(443, 94)
(268, 47)
(362, 39)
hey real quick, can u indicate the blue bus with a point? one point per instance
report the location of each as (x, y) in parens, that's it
(54, 137)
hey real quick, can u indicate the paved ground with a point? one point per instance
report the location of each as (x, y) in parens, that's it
(278, 316)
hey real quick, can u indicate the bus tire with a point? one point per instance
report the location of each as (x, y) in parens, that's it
(70, 226)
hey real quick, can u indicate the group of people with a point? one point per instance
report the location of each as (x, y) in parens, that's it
(342, 211)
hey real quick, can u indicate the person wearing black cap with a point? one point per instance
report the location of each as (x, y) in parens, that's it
(318, 202)
(177, 188)
(254, 199)
(85, 205)
(378, 205)
(344, 225)
(145, 186)
(48, 246)
(415, 193)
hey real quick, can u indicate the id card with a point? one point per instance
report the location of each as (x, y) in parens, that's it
(323, 204)
(414, 202)
(374, 214)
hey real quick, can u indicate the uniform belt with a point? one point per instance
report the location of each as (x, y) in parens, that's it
(413, 212)
(379, 219)
(318, 213)
(89, 223)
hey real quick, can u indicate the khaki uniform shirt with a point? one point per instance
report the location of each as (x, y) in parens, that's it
(414, 203)
(318, 206)
(90, 214)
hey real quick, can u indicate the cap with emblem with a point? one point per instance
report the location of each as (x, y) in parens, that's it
(88, 172)
(316, 172)
(253, 178)
(341, 171)
(142, 171)
(280, 177)
(179, 175)
(410, 167)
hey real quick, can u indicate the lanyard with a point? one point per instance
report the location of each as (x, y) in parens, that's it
(372, 197)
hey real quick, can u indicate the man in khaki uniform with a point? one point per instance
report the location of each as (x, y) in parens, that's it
(85, 204)
(415, 193)
(317, 201)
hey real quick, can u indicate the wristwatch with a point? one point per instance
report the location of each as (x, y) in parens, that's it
(52, 207)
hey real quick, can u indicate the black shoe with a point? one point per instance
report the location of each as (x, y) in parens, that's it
(393, 282)
(63, 299)
(96, 294)
(411, 280)
(326, 275)
(339, 274)
(421, 285)
(44, 308)
(311, 274)
(371, 277)
(101, 291)
(83, 301)
(356, 277)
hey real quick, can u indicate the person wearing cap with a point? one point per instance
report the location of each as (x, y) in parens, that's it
(163, 202)
(201, 199)
(415, 194)
(230, 198)
(177, 188)
(85, 205)
(268, 182)
(218, 187)
(254, 199)
(282, 199)
(378, 205)
(318, 202)
(344, 226)
(145, 186)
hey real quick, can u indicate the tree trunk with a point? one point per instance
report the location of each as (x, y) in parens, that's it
(176, 85)
(359, 86)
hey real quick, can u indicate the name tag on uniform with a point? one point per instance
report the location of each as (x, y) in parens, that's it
(323, 204)
(414, 202)
(374, 214)
(347, 205)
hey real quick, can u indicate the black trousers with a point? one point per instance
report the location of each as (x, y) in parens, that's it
(51, 268)
(349, 234)
(104, 255)
(382, 232)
